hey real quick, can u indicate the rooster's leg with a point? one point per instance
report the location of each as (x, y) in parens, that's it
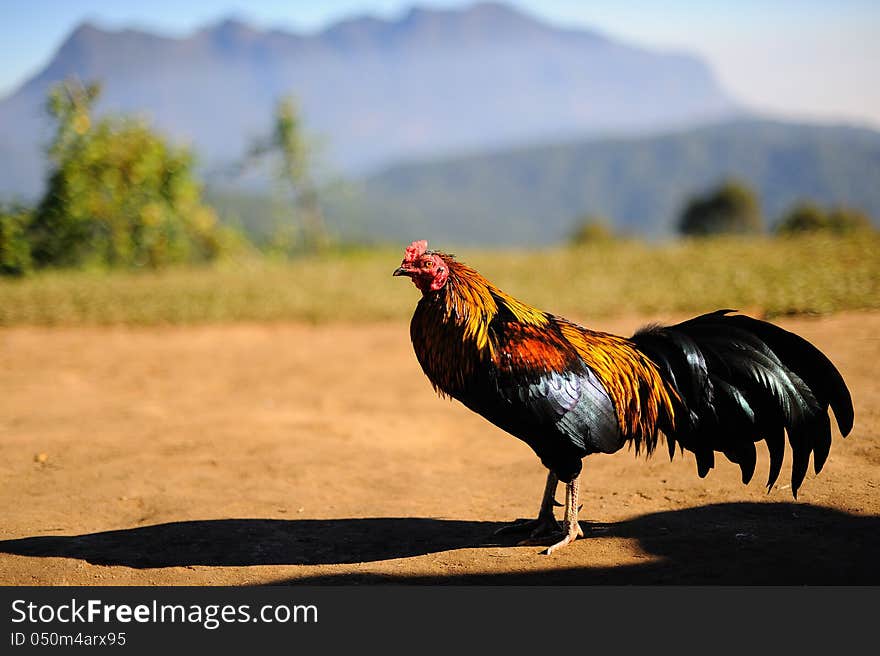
(570, 526)
(546, 523)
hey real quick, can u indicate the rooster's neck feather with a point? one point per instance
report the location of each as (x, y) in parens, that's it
(473, 302)
(450, 329)
(470, 326)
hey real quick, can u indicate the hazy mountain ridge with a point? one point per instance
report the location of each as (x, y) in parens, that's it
(534, 195)
(428, 83)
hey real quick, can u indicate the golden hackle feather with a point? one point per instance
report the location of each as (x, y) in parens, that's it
(451, 348)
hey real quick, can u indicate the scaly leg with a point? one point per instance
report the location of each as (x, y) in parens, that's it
(570, 526)
(546, 523)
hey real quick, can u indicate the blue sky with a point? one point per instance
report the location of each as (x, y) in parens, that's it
(806, 59)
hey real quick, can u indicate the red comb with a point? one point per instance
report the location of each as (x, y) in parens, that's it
(415, 250)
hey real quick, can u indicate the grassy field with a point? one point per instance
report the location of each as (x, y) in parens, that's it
(812, 274)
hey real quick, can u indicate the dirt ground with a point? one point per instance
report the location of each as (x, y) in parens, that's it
(274, 454)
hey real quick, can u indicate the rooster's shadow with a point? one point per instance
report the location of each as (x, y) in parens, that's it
(732, 543)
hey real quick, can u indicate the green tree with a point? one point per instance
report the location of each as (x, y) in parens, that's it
(845, 220)
(591, 229)
(118, 194)
(732, 208)
(293, 155)
(803, 217)
(15, 250)
(809, 217)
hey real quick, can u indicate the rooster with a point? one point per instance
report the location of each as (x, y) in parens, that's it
(717, 383)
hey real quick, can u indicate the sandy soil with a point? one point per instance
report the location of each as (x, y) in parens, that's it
(298, 454)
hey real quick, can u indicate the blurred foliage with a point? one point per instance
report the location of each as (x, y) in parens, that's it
(15, 250)
(809, 217)
(843, 220)
(527, 196)
(811, 273)
(288, 146)
(590, 229)
(732, 208)
(118, 195)
(803, 217)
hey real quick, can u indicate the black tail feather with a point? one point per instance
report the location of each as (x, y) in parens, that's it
(775, 439)
(808, 362)
(740, 380)
(822, 445)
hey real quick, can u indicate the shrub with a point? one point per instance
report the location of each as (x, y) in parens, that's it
(732, 208)
(591, 229)
(808, 217)
(15, 251)
(118, 195)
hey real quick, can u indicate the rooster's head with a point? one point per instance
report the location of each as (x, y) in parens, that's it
(427, 269)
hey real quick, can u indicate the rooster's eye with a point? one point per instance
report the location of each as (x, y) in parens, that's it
(429, 264)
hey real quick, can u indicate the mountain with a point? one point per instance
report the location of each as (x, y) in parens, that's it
(374, 91)
(533, 196)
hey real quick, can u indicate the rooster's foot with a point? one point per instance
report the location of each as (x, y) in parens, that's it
(539, 529)
(573, 534)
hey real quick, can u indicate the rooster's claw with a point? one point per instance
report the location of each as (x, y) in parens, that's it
(537, 529)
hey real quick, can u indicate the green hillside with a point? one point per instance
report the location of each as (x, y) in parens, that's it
(533, 195)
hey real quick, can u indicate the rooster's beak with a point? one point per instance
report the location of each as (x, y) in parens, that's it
(400, 271)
